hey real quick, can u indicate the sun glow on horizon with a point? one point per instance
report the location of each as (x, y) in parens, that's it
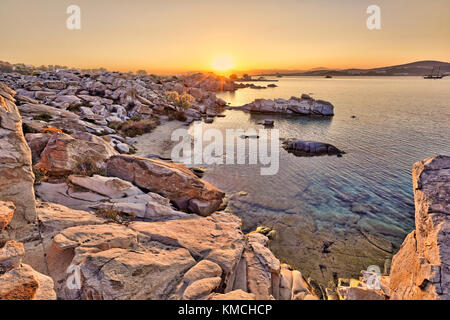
(222, 63)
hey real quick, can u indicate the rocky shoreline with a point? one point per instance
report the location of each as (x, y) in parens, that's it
(107, 224)
(169, 244)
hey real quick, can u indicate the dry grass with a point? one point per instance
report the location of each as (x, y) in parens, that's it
(40, 175)
(88, 168)
(133, 128)
(115, 215)
(43, 117)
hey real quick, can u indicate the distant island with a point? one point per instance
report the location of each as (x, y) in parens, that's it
(419, 68)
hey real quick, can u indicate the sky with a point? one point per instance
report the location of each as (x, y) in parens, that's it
(170, 36)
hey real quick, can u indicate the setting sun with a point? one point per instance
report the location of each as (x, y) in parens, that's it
(222, 63)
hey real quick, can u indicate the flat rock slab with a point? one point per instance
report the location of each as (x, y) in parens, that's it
(217, 238)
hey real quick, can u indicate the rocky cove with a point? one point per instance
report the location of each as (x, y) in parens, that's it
(107, 224)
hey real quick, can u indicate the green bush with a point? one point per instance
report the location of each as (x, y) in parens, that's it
(182, 102)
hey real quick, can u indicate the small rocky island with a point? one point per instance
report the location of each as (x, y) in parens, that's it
(305, 105)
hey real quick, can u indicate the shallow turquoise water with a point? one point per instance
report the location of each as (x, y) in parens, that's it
(399, 120)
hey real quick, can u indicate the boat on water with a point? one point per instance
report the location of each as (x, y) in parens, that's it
(434, 75)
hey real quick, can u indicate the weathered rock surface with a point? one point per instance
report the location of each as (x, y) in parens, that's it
(11, 256)
(359, 293)
(201, 288)
(64, 153)
(173, 181)
(16, 176)
(421, 268)
(108, 186)
(300, 106)
(37, 143)
(233, 295)
(18, 284)
(19, 281)
(203, 269)
(24, 283)
(6, 213)
(217, 238)
(98, 192)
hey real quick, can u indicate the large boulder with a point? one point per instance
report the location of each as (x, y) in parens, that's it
(421, 268)
(16, 175)
(173, 181)
(300, 106)
(65, 154)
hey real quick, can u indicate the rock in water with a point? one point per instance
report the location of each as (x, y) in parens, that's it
(300, 106)
(173, 181)
(310, 148)
(421, 269)
(16, 176)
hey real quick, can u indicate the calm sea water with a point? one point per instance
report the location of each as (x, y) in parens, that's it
(335, 216)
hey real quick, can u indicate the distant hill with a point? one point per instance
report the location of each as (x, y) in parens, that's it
(419, 68)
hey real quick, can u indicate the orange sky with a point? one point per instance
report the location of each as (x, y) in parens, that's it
(165, 36)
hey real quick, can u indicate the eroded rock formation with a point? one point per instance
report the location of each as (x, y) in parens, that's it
(16, 175)
(19, 281)
(421, 269)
